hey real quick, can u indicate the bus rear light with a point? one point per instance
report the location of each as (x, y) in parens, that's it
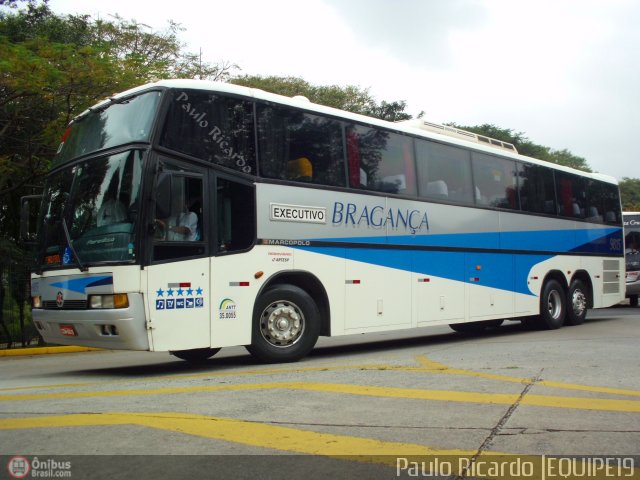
(117, 300)
(36, 301)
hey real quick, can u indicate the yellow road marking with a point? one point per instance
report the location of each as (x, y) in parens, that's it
(237, 431)
(45, 350)
(436, 367)
(579, 403)
(289, 439)
(426, 365)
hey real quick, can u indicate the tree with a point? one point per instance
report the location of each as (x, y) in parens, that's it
(53, 67)
(630, 193)
(351, 98)
(527, 147)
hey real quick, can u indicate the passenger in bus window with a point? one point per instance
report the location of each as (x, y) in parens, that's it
(300, 169)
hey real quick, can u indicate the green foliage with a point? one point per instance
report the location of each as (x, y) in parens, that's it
(53, 67)
(630, 194)
(527, 147)
(350, 98)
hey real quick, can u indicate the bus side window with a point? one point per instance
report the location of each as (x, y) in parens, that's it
(380, 160)
(178, 217)
(444, 172)
(235, 211)
(299, 146)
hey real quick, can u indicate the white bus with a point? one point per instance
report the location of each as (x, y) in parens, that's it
(632, 255)
(187, 216)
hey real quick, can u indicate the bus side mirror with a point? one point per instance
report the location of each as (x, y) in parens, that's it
(28, 213)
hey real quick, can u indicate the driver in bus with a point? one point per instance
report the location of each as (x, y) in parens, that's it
(183, 225)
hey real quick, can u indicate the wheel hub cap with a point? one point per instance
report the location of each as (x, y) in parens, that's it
(554, 304)
(282, 324)
(579, 302)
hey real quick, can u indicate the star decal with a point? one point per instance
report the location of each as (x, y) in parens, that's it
(160, 292)
(190, 291)
(170, 292)
(198, 291)
(180, 292)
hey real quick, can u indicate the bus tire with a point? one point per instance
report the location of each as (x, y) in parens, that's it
(475, 327)
(286, 325)
(195, 355)
(552, 306)
(633, 300)
(576, 303)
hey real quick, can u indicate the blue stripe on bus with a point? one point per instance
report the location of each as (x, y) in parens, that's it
(495, 270)
(581, 241)
(80, 285)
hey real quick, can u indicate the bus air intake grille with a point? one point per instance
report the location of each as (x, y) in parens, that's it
(67, 305)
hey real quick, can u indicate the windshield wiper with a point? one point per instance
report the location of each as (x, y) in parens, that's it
(73, 250)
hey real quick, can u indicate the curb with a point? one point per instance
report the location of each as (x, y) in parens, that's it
(44, 350)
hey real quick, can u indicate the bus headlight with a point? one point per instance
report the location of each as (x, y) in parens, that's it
(36, 301)
(116, 300)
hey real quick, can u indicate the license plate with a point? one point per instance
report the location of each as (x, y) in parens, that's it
(68, 330)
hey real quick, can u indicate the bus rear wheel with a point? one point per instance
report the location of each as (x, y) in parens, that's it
(553, 308)
(576, 303)
(286, 325)
(196, 354)
(633, 300)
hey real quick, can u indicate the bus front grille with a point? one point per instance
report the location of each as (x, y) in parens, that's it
(66, 305)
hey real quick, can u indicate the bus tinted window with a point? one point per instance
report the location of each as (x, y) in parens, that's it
(295, 145)
(380, 160)
(612, 209)
(211, 127)
(595, 199)
(571, 191)
(495, 181)
(444, 172)
(121, 122)
(537, 189)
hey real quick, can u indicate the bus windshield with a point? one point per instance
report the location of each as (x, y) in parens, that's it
(123, 121)
(90, 211)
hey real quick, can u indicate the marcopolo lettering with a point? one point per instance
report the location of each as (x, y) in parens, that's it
(298, 213)
(380, 217)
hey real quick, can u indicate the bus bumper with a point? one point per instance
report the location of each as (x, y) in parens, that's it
(116, 329)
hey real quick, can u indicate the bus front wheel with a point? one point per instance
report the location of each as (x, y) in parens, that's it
(286, 325)
(553, 304)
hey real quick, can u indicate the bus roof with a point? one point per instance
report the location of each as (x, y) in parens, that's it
(303, 103)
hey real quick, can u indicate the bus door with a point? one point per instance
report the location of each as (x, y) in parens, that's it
(178, 275)
(234, 283)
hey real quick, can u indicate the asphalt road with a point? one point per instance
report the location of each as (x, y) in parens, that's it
(366, 406)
